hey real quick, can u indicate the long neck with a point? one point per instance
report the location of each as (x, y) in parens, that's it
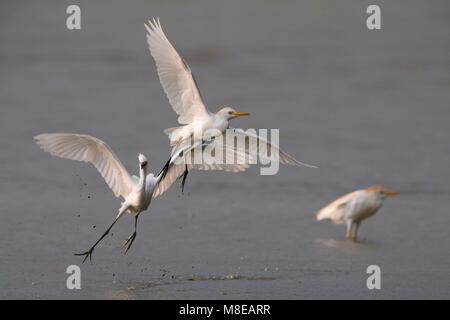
(142, 177)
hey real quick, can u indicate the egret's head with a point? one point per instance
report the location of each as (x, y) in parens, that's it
(380, 192)
(230, 113)
(142, 161)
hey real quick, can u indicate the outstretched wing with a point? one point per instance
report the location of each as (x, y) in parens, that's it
(183, 160)
(89, 149)
(175, 76)
(259, 146)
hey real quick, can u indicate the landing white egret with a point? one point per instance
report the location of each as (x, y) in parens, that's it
(137, 192)
(184, 96)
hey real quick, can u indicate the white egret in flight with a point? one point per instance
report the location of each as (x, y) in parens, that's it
(184, 96)
(354, 207)
(180, 87)
(137, 192)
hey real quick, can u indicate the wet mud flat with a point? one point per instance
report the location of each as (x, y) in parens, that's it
(367, 107)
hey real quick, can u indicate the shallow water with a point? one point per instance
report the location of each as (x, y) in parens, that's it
(367, 107)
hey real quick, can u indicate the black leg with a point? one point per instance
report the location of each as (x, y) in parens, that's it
(91, 250)
(131, 238)
(184, 179)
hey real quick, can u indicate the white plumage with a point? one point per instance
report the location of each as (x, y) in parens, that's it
(85, 148)
(181, 89)
(137, 192)
(175, 76)
(184, 96)
(183, 160)
(354, 207)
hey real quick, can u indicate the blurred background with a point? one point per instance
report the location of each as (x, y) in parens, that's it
(367, 107)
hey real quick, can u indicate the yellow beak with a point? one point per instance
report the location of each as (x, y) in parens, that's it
(235, 113)
(390, 193)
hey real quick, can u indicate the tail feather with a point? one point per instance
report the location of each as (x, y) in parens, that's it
(320, 215)
(172, 134)
(169, 131)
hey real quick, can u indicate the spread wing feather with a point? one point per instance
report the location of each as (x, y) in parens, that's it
(85, 148)
(184, 160)
(257, 145)
(175, 75)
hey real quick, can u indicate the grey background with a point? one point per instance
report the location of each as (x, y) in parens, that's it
(368, 107)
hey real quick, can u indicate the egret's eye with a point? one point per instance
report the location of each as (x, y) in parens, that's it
(230, 112)
(144, 163)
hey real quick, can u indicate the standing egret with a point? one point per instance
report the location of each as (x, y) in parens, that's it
(354, 207)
